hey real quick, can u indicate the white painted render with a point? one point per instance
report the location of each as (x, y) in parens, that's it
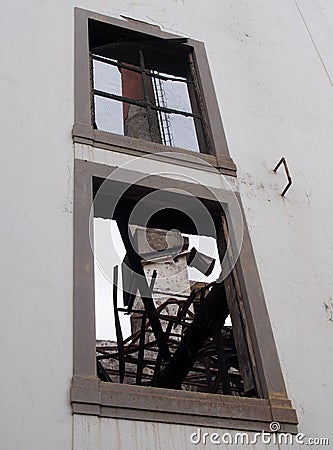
(272, 66)
(94, 433)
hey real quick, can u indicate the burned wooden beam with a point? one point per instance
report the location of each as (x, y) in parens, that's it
(102, 373)
(119, 334)
(222, 360)
(141, 283)
(240, 330)
(212, 313)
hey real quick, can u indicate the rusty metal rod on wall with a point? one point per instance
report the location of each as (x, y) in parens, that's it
(290, 181)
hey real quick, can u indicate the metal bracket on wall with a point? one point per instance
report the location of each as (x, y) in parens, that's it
(284, 162)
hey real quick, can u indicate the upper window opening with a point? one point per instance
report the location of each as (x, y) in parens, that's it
(145, 87)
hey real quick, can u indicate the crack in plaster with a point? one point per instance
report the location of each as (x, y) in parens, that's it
(329, 309)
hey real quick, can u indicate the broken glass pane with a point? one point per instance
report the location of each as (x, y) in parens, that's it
(109, 115)
(171, 93)
(107, 78)
(183, 132)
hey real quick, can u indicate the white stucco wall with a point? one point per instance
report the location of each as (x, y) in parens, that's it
(96, 433)
(272, 67)
(36, 90)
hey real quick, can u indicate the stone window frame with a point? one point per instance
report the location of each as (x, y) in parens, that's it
(91, 396)
(83, 131)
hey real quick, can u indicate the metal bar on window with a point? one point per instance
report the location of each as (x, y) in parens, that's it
(146, 96)
(162, 116)
(138, 69)
(144, 104)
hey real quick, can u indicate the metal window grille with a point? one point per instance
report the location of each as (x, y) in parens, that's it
(156, 107)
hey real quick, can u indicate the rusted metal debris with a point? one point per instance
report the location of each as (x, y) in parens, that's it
(177, 341)
(197, 351)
